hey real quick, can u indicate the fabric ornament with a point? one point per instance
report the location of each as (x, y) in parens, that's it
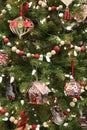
(57, 115)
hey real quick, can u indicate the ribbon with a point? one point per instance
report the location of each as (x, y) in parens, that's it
(24, 119)
(73, 67)
(23, 8)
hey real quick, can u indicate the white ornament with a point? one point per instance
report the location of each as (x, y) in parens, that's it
(12, 119)
(28, 54)
(41, 57)
(62, 42)
(72, 104)
(14, 48)
(4, 11)
(75, 100)
(17, 51)
(49, 54)
(53, 52)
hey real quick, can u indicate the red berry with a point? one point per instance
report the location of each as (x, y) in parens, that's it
(37, 56)
(19, 123)
(3, 111)
(34, 127)
(78, 97)
(82, 48)
(65, 113)
(6, 40)
(83, 83)
(53, 8)
(56, 48)
(21, 53)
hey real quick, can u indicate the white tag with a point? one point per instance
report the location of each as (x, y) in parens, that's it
(1, 79)
(75, 53)
(41, 57)
(33, 72)
(11, 79)
(48, 59)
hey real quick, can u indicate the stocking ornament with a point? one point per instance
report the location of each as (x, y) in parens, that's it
(21, 25)
(67, 15)
(9, 92)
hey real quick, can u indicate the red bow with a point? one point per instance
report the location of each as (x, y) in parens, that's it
(24, 119)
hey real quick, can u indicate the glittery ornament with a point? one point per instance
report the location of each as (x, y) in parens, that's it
(57, 115)
(3, 58)
(72, 88)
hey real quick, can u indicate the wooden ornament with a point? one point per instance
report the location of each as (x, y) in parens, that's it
(21, 26)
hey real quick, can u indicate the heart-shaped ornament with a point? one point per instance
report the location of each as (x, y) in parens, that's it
(67, 2)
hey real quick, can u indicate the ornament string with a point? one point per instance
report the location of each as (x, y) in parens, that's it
(73, 67)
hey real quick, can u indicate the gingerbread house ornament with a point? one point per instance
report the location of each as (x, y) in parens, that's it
(38, 93)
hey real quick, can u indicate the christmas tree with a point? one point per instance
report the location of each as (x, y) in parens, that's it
(43, 65)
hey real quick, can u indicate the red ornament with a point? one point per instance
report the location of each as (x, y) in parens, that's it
(82, 48)
(37, 56)
(21, 53)
(56, 48)
(83, 83)
(6, 40)
(34, 127)
(53, 8)
(3, 111)
(65, 113)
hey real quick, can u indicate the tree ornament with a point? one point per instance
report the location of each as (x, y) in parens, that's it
(67, 15)
(9, 92)
(3, 111)
(72, 88)
(57, 115)
(12, 119)
(36, 56)
(38, 93)
(83, 83)
(56, 48)
(72, 104)
(6, 40)
(83, 14)
(21, 53)
(21, 25)
(3, 58)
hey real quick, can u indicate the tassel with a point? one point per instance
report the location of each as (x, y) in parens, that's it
(67, 15)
